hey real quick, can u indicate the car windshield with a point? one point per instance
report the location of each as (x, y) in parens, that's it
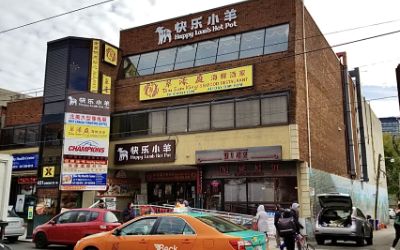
(11, 213)
(222, 225)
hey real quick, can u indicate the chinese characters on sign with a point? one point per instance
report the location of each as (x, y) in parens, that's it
(197, 26)
(94, 75)
(199, 83)
(89, 103)
(106, 85)
(145, 152)
(110, 54)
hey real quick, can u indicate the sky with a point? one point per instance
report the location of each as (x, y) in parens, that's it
(23, 50)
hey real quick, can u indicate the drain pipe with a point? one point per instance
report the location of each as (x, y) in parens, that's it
(356, 74)
(347, 115)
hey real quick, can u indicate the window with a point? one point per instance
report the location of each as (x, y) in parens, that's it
(157, 122)
(199, 118)
(130, 66)
(93, 216)
(165, 61)
(206, 52)
(79, 69)
(222, 115)
(134, 124)
(68, 217)
(110, 217)
(252, 44)
(147, 63)
(171, 225)
(83, 216)
(220, 224)
(228, 48)
(177, 120)
(117, 126)
(19, 135)
(276, 39)
(260, 190)
(247, 113)
(140, 227)
(7, 136)
(185, 56)
(274, 110)
(32, 135)
(235, 190)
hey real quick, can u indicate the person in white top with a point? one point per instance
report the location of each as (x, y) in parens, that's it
(261, 218)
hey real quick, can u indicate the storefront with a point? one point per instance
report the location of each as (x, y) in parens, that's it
(238, 180)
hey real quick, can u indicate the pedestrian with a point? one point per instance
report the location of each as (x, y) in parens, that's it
(128, 213)
(396, 227)
(262, 219)
(295, 210)
(101, 204)
(276, 218)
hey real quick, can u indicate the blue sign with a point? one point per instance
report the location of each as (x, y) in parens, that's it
(25, 162)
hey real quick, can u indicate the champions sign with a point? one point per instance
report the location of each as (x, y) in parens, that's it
(198, 83)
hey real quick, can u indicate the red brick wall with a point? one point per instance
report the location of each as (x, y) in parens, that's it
(24, 112)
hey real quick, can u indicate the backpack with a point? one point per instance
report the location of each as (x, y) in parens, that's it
(286, 225)
(397, 219)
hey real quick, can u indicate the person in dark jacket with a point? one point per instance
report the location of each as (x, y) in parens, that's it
(276, 218)
(295, 210)
(128, 213)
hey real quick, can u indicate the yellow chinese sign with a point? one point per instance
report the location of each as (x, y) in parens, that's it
(86, 132)
(48, 171)
(199, 83)
(94, 77)
(110, 54)
(106, 85)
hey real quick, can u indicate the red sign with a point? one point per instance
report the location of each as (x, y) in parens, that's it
(27, 180)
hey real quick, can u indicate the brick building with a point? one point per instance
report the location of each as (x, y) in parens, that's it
(233, 107)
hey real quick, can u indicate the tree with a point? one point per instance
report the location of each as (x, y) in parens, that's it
(391, 146)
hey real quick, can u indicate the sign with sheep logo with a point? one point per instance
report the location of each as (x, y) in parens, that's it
(145, 152)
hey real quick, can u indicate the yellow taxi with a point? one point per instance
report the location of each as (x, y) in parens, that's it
(176, 231)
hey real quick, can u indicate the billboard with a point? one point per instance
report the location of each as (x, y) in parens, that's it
(88, 103)
(233, 78)
(25, 162)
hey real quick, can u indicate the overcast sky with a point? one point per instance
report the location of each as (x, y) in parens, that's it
(23, 51)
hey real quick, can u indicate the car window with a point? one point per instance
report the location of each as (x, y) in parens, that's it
(93, 216)
(140, 227)
(173, 225)
(110, 217)
(67, 217)
(222, 225)
(360, 214)
(83, 216)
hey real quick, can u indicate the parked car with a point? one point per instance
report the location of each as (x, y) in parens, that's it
(72, 225)
(339, 220)
(392, 213)
(194, 231)
(15, 227)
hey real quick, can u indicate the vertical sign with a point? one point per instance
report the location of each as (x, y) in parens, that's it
(110, 54)
(94, 79)
(106, 85)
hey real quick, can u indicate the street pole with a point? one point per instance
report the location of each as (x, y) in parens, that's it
(378, 176)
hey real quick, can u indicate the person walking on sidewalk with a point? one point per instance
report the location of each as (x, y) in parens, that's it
(276, 218)
(396, 227)
(262, 220)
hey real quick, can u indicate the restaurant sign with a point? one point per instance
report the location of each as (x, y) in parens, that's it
(184, 29)
(145, 152)
(233, 78)
(271, 153)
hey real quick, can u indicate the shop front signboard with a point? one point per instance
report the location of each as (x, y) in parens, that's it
(25, 162)
(88, 103)
(233, 78)
(269, 153)
(145, 152)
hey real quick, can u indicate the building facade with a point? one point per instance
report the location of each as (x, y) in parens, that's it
(390, 125)
(229, 108)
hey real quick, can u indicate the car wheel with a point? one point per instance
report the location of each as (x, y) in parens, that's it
(320, 241)
(12, 239)
(41, 241)
(360, 240)
(370, 239)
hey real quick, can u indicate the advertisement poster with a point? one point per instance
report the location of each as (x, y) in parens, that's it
(25, 162)
(19, 206)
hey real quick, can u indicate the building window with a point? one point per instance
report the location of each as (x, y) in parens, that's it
(19, 135)
(147, 63)
(276, 39)
(7, 135)
(252, 44)
(247, 113)
(157, 122)
(206, 52)
(136, 124)
(222, 115)
(274, 110)
(199, 118)
(177, 120)
(165, 61)
(185, 56)
(130, 66)
(32, 135)
(228, 48)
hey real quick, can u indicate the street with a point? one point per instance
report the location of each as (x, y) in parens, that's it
(382, 240)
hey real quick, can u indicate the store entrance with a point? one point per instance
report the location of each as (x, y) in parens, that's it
(170, 192)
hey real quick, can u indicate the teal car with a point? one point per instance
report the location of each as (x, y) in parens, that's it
(176, 231)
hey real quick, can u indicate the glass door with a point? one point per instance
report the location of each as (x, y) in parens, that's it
(235, 193)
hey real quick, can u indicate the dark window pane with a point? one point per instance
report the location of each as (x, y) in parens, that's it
(147, 62)
(185, 56)
(206, 52)
(54, 108)
(130, 66)
(252, 43)
(140, 227)
(165, 61)
(171, 225)
(19, 135)
(7, 137)
(117, 126)
(79, 69)
(228, 48)
(32, 135)
(136, 124)
(276, 39)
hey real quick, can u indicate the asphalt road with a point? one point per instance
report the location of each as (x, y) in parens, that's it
(382, 240)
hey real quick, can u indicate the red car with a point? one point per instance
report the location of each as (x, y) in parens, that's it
(72, 225)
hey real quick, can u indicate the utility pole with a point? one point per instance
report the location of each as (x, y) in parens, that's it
(398, 82)
(378, 176)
